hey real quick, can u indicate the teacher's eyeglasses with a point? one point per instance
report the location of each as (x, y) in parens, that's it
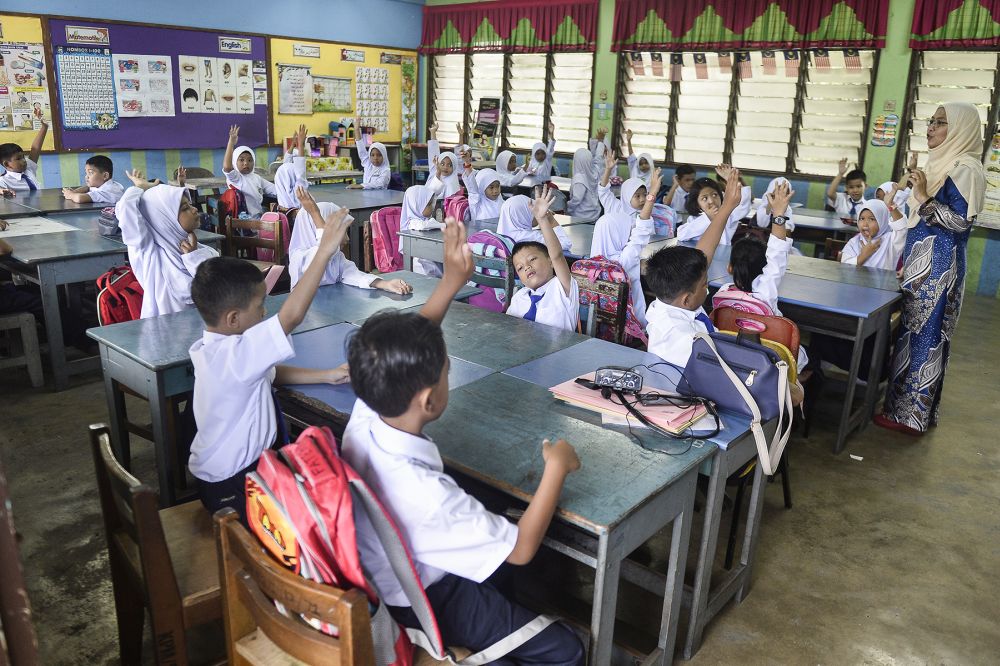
(933, 122)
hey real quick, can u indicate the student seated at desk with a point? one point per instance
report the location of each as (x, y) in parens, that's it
(640, 166)
(881, 236)
(375, 162)
(418, 209)
(22, 170)
(310, 225)
(550, 296)
(517, 223)
(510, 173)
(291, 175)
(237, 165)
(484, 193)
(676, 197)
(584, 203)
(540, 164)
(849, 202)
(399, 370)
(443, 175)
(158, 224)
(100, 186)
(703, 200)
(235, 363)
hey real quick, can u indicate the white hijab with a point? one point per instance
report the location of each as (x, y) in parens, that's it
(902, 196)
(415, 199)
(770, 189)
(612, 231)
(541, 169)
(884, 255)
(488, 208)
(286, 179)
(506, 175)
(239, 151)
(373, 172)
(583, 169)
(646, 177)
(446, 186)
(516, 219)
(305, 236)
(959, 158)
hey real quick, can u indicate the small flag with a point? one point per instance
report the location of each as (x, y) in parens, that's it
(743, 60)
(676, 66)
(700, 65)
(822, 57)
(637, 64)
(657, 59)
(792, 64)
(725, 60)
(770, 66)
(852, 59)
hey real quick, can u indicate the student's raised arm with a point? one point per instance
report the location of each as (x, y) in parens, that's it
(227, 158)
(831, 191)
(540, 209)
(472, 186)
(631, 254)
(458, 267)
(130, 221)
(710, 239)
(550, 150)
(36, 145)
(628, 139)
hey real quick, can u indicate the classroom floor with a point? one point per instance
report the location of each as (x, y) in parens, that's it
(891, 559)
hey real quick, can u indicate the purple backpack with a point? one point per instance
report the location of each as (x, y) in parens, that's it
(489, 244)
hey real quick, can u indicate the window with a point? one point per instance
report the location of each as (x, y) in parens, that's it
(572, 74)
(526, 123)
(448, 102)
(765, 110)
(646, 107)
(947, 76)
(486, 80)
(702, 110)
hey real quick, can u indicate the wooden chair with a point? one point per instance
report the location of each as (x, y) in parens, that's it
(19, 644)
(257, 633)
(163, 560)
(244, 246)
(833, 248)
(591, 295)
(27, 353)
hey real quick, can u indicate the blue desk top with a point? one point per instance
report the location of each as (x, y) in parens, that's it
(437, 235)
(824, 223)
(825, 295)
(327, 348)
(86, 220)
(355, 199)
(582, 236)
(62, 245)
(355, 305)
(52, 201)
(12, 208)
(816, 212)
(502, 447)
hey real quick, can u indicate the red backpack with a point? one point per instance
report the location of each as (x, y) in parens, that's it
(232, 202)
(119, 297)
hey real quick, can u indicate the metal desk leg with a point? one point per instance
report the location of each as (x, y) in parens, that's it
(674, 591)
(160, 412)
(875, 371)
(53, 324)
(602, 622)
(706, 556)
(407, 253)
(752, 529)
(852, 379)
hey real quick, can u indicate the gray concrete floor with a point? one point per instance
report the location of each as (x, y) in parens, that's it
(891, 559)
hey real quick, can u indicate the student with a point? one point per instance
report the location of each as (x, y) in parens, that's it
(764, 213)
(540, 165)
(443, 176)
(418, 211)
(640, 167)
(550, 295)
(306, 237)
(847, 203)
(158, 224)
(291, 175)
(583, 201)
(676, 197)
(510, 173)
(881, 236)
(623, 231)
(99, 188)
(517, 223)
(484, 193)
(22, 171)
(375, 161)
(704, 199)
(678, 276)
(243, 177)
(899, 201)
(236, 361)
(399, 370)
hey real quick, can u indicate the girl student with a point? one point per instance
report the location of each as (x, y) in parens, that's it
(518, 223)
(483, 187)
(540, 164)
(309, 226)
(374, 161)
(291, 175)
(237, 165)
(620, 235)
(640, 166)
(704, 198)
(158, 224)
(881, 235)
(510, 173)
(899, 200)
(584, 202)
(418, 211)
(443, 176)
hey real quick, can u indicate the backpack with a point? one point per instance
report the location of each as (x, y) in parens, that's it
(396, 182)
(264, 254)
(385, 239)
(742, 301)
(457, 206)
(490, 244)
(599, 268)
(664, 220)
(302, 504)
(119, 296)
(231, 203)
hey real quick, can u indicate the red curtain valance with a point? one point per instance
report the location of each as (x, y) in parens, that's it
(942, 24)
(519, 26)
(693, 25)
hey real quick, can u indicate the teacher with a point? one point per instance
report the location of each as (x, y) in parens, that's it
(947, 196)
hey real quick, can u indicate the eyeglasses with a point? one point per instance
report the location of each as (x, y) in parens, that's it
(932, 122)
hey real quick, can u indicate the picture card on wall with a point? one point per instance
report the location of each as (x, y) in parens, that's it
(143, 85)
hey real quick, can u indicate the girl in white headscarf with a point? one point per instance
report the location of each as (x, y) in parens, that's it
(640, 166)
(764, 210)
(898, 200)
(237, 165)
(704, 198)
(880, 239)
(510, 173)
(540, 164)
(484, 193)
(444, 169)
(518, 223)
(583, 201)
(158, 224)
(375, 161)
(417, 215)
(292, 175)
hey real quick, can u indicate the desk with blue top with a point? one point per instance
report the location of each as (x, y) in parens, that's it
(362, 204)
(41, 202)
(86, 220)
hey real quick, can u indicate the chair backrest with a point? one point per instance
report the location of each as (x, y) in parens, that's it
(385, 238)
(240, 246)
(20, 644)
(196, 172)
(833, 248)
(286, 235)
(493, 269)
(606, 303)
(251, 580)
(770, 327)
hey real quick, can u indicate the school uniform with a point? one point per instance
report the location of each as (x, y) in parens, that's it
(24, 182)
(234, 407)
(542, 171)
(289, 176)
(149, 226)
(549, 304)
(415, 200)
(376, 177)
(252, 185)
(633, 167)
(621, 236)
(845, 206)
(110, 192)
(455, 542)
(763, 213)
(902, 198)
(672, 329)
(679, 201)
(481, 207)
(445, 186)
(891, 236)
(516, 223)
(304, 245)
(695, 227)
(583, 201)
(508, 178)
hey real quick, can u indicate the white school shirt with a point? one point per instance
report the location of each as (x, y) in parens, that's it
(233, 406)
(633, 168)
(19, 181)
(888, 260)
(542, 171)
(340, 269)
(671, 331)
(376, 177)
(628, 255)
(556, 308)
(695, 227)
(253, 187)
(289, 176)
(446, 529)
(679, 202)
(450, 184)
(481, 207)
(765, 286)
(108, 193)
(842, 204)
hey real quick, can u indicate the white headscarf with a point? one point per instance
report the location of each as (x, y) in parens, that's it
(612, 231)
(506, 175)
(304, 238)
(780, 180)
(646, 177)
(959, 157)
(449, 185)
(516, 219)
(415, 199)
(286, 179)
(239, 151)
(902, 196)
(541, 169)
(487, 208)
(373, 172)
(583, 168)
(884, 256)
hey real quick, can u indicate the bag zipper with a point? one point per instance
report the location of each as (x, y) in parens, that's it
(751, 373)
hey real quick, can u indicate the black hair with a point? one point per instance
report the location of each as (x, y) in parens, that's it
(856, 174)
(691, 205)
(8, 150)
(102, 163)
(190, 93)
(673, 271)
(747, 258)
(684, 170)
(223, 283)
(392, 357)
(526, 245)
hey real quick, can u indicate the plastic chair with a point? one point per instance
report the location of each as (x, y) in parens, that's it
(770, 327)
(503, 279)
(385, 238)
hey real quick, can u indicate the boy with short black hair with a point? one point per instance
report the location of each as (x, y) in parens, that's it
(236, 361)
(22, 170)
(679, 277)
(676, 197)
(399, 371)
(99, 187)
(848, 203)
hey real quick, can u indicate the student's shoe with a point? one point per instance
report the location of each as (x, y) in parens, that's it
(883, 421)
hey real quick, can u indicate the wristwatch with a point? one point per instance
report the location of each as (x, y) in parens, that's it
(779, 219)
(650, 198)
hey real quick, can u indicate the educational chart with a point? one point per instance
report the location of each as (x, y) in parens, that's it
(143, 85)
(295, 89)
(86, 88)
(371, 85)
(331, 93)
(216, 85)
(24, 94)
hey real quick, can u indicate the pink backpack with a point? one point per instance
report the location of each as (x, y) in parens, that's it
(385, 239)
(743, 302)
(489, 244)
(664, 220)
(457, 206)
(600, 268)
(286, 235)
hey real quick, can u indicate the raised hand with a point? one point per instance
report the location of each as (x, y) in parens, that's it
(890, 194)
(723, 170)
(842, 167)
(628, 135)
(610, 161)
(335, 228)
(182, 175)
(189, 244)
(139, 180)
(654, 181)
(458, 264)
(601, 133)
(919, 181)
(458, 128)
(779, 198)
(234, 134)
(734, 189)
(540, 205)
(304, 197)
(552, 130)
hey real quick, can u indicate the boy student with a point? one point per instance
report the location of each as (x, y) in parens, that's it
(550, 295)
(848, 203)
(236, 361)
(399, 371)
(676, 197)
(679, 277)
(99, 186)
(22, 171)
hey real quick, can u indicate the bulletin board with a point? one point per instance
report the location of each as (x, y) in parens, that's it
(15, 31)
(131, 86)
(334, 64)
